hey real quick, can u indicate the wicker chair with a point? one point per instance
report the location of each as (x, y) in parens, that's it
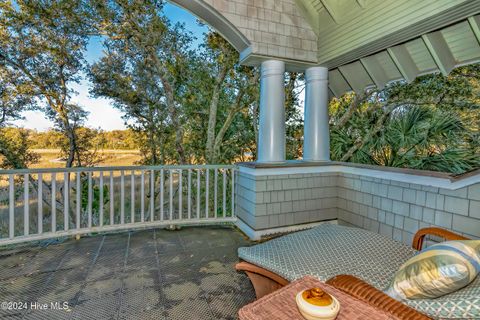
(265, 281)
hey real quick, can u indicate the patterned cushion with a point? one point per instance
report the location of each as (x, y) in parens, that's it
(328, 250)
(438, 270)
(461, 304)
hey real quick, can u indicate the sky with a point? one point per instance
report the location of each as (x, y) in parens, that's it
(102, 114)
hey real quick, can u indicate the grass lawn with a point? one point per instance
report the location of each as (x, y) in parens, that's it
(50, 158)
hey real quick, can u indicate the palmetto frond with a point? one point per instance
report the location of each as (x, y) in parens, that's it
(423, 131)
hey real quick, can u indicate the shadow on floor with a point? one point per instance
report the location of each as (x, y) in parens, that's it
(151, 274)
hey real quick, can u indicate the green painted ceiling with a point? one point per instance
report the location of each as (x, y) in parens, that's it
(371, 42)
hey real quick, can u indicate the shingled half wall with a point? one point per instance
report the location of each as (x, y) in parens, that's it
(393, 202)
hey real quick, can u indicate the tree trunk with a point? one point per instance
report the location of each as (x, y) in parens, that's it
(72, 147)
(212, 117)
(153, 151)
(176, 124)
(234, 109)
(170, 98)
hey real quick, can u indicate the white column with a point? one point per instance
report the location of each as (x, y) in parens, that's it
(316, 139)
(271, 132)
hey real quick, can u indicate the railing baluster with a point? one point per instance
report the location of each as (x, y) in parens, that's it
(233, 192)
(11, 206)
(66, 201)
(90, 200)
(162, 181)
(122, 197)
(53, 214)
(180, 194)
(215, 192)
(26, 204)
(132, 197)
(189, 193)
(78, 199)
(207, 182)
(198, 193)
(83, 214)
(224, 189)
(112, 207)
(170, 194)
(142, 196)
(40, 204)
(152, 195)
(100, 205)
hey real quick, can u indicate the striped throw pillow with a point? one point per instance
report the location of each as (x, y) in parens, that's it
(437, 270)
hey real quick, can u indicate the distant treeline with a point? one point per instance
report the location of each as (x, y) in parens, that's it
(100, 139)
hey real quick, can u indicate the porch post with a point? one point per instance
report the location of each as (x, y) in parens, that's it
(316, 139)
(271, 132)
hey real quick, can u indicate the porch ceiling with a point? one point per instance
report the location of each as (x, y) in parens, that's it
(372, 42)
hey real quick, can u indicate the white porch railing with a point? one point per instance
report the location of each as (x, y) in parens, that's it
(38, 204)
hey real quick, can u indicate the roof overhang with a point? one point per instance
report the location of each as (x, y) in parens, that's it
(370, 43)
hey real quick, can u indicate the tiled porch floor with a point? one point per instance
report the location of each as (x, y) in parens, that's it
(152, 274)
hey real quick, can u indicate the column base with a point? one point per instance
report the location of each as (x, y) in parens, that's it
(270, 162)
(315, 161)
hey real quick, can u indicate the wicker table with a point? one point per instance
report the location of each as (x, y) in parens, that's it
(281, 305)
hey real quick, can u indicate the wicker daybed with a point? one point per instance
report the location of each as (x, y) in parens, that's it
(357, 261)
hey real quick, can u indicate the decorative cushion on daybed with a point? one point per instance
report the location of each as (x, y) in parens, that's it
(329, 250)
(437, 270)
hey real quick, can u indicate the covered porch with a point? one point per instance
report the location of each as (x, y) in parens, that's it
(329, 42)
(128, 265)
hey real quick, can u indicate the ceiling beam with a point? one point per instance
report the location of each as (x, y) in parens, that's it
(337, 83)
(375, 71)
(356, 76)
(331, 95)
(362, 3)
(407, 20)
(475, 25)
(440, 51)
(404, 62)
(332, 8)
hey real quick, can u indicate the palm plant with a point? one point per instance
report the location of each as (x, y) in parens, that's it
(424, 138)
(431, 124)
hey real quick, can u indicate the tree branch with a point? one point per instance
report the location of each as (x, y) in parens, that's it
(377, 128)
(347, 115)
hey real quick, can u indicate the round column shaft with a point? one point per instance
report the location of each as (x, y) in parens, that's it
(271, 132)
(316, 140)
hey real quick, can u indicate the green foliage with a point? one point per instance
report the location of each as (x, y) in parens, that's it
(185, 105)
(41, 46)
(14, 149)
(293, 116)
(99, 139)
(220, 103)
(95, 197)
(430, 124)
(15, 97)
(197, 105)
(143, 73)
(116, 140)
